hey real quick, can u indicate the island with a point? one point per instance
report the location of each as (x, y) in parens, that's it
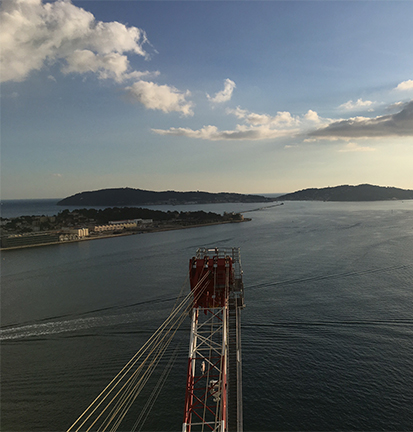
(88, 224)
(362, 192)
(139, 197)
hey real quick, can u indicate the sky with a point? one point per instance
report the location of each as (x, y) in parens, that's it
(218, 96)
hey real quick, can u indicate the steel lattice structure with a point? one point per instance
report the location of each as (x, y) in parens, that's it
(216, 280)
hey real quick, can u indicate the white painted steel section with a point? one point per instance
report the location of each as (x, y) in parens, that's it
(208, 346)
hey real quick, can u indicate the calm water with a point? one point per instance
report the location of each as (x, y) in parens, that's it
(327, 333)
(36, 207)
(49, 207)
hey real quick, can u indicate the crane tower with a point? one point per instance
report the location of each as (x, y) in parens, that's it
(213, 399)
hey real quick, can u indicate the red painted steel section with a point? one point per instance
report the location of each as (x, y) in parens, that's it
(213, 289)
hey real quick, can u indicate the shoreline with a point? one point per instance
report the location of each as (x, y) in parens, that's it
(125, 234)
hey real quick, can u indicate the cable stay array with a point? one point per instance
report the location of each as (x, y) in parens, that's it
(110, 407)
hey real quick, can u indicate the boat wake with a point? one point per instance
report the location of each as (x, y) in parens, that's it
(55, 325)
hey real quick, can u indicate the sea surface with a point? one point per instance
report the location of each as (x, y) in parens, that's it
(327, 331)
(49, 207)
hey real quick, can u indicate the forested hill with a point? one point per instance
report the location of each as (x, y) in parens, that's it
(364, 192)
(129, 196)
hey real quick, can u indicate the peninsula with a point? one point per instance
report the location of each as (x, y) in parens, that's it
(88, 224)
(363, 192)
(133, 197)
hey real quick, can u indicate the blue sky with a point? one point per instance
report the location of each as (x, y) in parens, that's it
(249, 97)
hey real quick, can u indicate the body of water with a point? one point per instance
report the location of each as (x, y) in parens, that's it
(33, 207)
(49, 207)
(327, 332)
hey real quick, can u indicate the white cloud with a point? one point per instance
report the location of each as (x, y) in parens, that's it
(405, 86)
(34, 34)
(283, 118)
(358, 105)
(108, 66)
(353, 147)
(238, 112)
(310, 140)
(312, 116)
(112, 65)
(160, 97)
(224, 95)
(240, 133)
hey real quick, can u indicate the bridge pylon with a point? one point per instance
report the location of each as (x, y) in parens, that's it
(213, 399)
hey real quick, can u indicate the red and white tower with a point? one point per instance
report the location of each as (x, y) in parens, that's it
(213, 398)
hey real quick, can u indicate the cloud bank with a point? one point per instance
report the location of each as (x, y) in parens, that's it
(284, 124)
(399, 124)
(241, 133)
(256, 127)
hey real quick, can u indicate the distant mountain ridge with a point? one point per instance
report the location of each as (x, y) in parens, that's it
(363, 192)
(128, 196)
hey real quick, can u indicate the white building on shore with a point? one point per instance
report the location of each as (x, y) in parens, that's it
(123, 224)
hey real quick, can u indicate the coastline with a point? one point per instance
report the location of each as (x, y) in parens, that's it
(124, 234)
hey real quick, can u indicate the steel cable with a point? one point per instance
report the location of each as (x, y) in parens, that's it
(152, 345)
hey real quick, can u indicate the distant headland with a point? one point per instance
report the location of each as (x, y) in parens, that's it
(363, 192)
(132, 197)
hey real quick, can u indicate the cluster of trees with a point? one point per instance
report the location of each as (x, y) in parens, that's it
(106, 215)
